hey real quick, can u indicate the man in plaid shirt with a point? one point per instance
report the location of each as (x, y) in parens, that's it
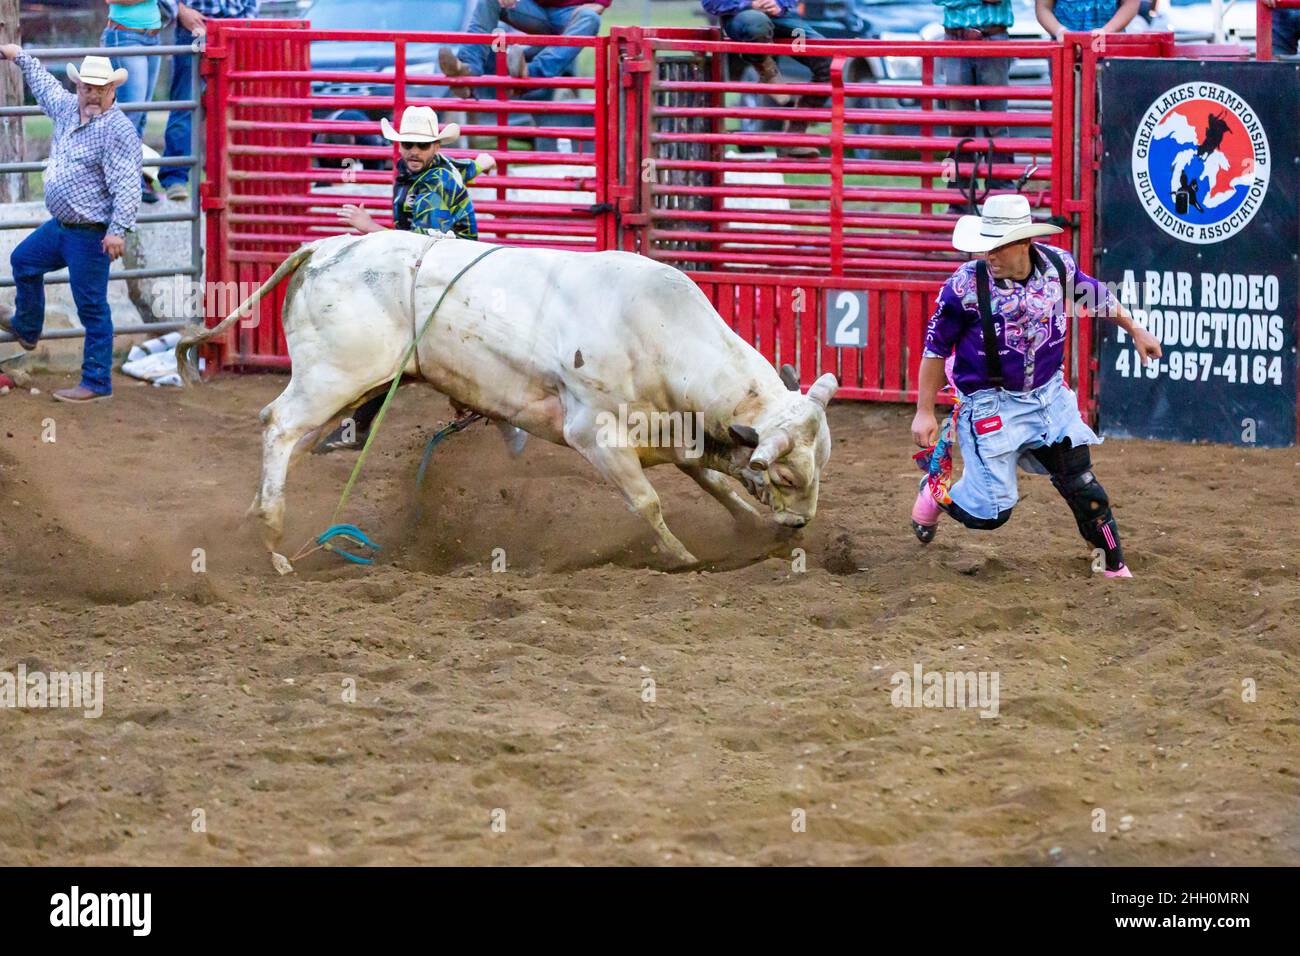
(92, 189)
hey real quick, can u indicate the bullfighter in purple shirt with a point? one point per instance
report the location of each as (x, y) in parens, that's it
(1014, 408)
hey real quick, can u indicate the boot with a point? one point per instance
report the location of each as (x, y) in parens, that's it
(516, 66)
(798, 128)
(769, 72)
(451, 66)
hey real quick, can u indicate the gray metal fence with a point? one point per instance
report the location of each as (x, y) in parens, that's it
(194, 161)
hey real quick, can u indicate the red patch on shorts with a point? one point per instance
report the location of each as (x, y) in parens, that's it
(986, 425)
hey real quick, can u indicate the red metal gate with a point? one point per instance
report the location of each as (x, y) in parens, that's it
(767, 239)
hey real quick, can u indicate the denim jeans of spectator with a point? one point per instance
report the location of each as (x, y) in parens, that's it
(48, 249)
(528, 17)
(176, 139)
(754, 26)
(141, 71)
(1286, 32)
(978, 71)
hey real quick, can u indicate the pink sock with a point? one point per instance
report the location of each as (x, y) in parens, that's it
(926, 510)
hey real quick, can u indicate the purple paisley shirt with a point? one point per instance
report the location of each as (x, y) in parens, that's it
(1029, 319)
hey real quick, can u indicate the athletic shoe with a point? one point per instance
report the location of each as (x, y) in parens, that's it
(335, 441)
(1121, 572)
(178, 192)
(925, 514)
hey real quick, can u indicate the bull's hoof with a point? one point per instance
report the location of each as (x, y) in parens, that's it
(924, 532)
(281, 563)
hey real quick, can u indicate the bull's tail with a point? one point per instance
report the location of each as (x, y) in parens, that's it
(188, 347)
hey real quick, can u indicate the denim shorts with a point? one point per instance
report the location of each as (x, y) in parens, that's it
(996, 430)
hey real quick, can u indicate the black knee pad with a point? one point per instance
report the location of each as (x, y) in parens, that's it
(978, 524)
(1083, 493)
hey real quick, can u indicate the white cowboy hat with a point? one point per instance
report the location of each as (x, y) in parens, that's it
(1003, 219)
(420, 125)
(97, 71)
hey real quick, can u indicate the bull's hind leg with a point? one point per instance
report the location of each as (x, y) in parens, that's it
(621, 467)
(310, 401)
(715, 483)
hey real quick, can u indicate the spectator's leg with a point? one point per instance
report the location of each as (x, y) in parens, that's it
(960, 71)
(995, 71)
(88, 270)
(792, 27)
(749, 26)
(135, 89)
(485, 19)
(582, 21)
(179, 122)
(1286, 32)
(36, 255)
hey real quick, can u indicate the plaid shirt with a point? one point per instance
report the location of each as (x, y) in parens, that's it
(225, 9)
(93, 174)
(974, 14)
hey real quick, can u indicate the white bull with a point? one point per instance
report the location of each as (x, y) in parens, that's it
(566, 346)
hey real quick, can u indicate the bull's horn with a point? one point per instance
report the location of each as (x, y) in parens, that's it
(744, 435)
(770, 449)
(823, 390)
(790, 377)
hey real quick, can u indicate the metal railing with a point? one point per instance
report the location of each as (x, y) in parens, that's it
(194, 161)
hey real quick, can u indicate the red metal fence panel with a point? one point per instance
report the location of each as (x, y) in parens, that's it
(670, 160)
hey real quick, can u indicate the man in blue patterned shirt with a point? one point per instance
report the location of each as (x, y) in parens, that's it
(429, 197)
(1085, 16)
(191, 27)
(92, 189)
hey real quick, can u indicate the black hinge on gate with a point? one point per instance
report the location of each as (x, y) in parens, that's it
(597, 209)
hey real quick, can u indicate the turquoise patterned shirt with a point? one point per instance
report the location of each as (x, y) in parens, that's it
(976, 13)
(1082, 15)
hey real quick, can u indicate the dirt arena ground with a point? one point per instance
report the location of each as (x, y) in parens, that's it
(517, 697)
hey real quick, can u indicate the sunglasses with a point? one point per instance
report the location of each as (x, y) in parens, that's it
(417, 145)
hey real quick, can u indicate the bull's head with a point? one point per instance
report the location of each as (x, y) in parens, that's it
(781, 456)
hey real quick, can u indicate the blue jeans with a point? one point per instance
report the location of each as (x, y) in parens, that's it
(49, 248)
(141, 71)
(1286, 32)
(978, 71)
(1025, 420)
(754, 26)
(527, 17)
(177, 139)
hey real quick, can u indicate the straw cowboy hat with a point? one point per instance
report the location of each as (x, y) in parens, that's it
(1003, 219)
(97, 71)
(420, 125)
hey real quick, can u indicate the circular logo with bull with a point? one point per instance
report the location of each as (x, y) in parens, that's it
(1201, 162)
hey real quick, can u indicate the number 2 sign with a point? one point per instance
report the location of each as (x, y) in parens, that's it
(846, 318)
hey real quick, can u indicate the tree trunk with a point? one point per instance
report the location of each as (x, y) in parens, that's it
(13, 186)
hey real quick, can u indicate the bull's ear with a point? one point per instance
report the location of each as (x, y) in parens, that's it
(790, 377)
(744, 435)
(823, 389)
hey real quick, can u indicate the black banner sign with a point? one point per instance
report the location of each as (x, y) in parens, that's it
(1198, 236)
